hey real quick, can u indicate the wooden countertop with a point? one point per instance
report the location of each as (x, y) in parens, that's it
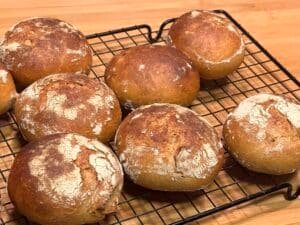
(275, 23)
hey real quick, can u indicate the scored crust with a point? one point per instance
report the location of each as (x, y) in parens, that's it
(63, 103)
(37, 47)
(168, 147)
(263, 134)
(210, 41)
(65, 179)
(148, 74)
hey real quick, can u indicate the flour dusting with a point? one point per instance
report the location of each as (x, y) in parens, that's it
(70, 27)
(66, 185)
(68, 149)
(103, 167)
(136, 116)
(196, 164)
(141, 67)
(257, 115)
(195, 13)
(55, 103)
(3, 76)
(13, 46)
(97, 129)
(75, 52)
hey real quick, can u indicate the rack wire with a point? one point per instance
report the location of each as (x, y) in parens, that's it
(260, 72)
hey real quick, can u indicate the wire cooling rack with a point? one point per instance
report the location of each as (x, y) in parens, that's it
(234, 185)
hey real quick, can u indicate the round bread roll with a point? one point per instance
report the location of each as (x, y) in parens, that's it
(169, 148)
(65, 179)
(68, 103)
(7, 89)
(148, 74)
(263, 134)
(37, 47)
(210, 41)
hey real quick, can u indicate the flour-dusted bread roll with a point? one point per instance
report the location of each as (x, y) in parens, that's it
(65, 103)
(169, 148)
(37, 47)
(7, 89)
(65, 179)
(263, 134)
(210, 41)
(149, 74)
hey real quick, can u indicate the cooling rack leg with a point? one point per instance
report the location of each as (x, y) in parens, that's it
(289, 195)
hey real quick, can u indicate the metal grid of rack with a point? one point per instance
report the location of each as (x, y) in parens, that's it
(234, 185)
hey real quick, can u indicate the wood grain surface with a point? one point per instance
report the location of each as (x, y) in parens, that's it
(275, 23)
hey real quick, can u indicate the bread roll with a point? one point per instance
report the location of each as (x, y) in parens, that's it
(263, 134)
(65, 179)
(7, 89)
(37, 47)
(66, 103)
(210, 41)
(169, 148)
(148, 74)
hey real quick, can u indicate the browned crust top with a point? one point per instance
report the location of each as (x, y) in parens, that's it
(42, 46)
(167, 139)
(68, 102)
(149, 62)
(64, 171)
(150, 71)
(206, 36)
(266, 121)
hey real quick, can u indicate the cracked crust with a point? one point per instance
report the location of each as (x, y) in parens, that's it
(263, 134)
(168, 147)
(148, 74)
(210, 41)
(64, 103)
(53, 181)
(7, 89)
(37, 47)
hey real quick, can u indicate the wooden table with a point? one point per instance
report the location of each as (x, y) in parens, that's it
(275, 23)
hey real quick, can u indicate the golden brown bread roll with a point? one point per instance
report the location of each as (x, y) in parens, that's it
(168, 147)
(37, 47)
(148, 74)
(210, 41)
(7, 89)
(66, 103)
(65, 179)
(263, 134)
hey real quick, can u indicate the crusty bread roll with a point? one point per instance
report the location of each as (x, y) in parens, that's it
(149, 74)
(210, 41)
(263, 134)
(169, 148)
(7, 89)
(65, 179)
(37, 47)
(66, 103)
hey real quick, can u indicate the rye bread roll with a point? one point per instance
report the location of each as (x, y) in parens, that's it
(210, 41)
(68, 103)
(37, 47)
(65, 179)
(168, 147)
(263, 134)
(152, 74)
